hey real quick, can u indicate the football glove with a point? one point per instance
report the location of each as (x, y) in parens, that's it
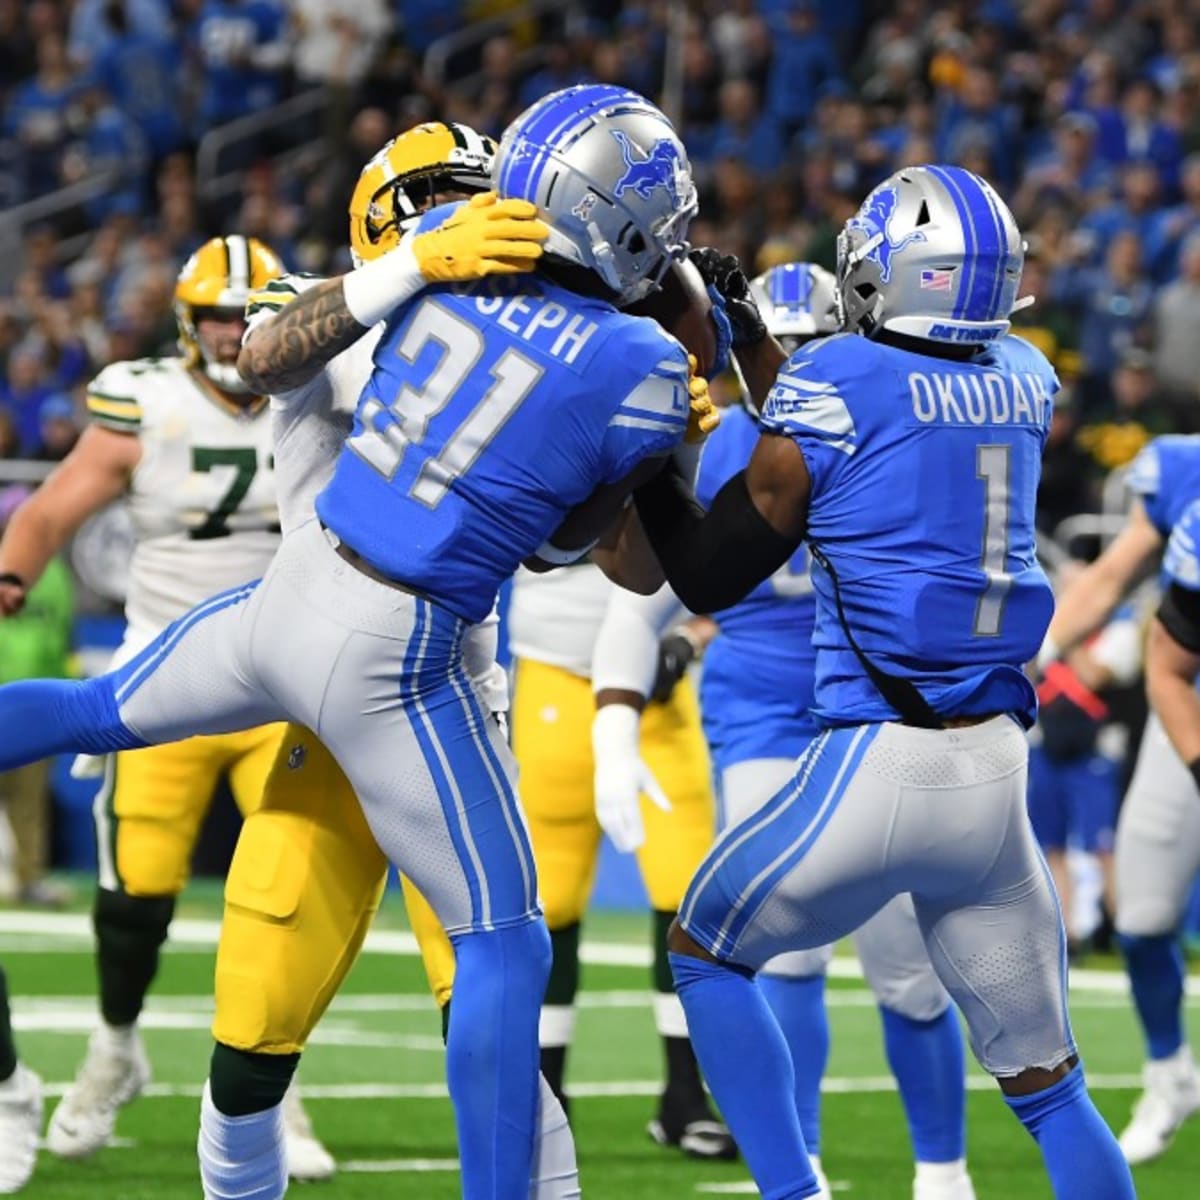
(621, 777)
(703, 414)
(676, 652)
(486, 236)
(724, 273)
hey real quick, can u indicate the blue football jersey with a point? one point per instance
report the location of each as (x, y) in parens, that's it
(493, 409)
(756, 687)
(1181, 563)
(924, 480)
(1166, 477)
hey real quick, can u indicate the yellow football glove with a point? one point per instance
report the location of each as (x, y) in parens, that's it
(486, 236)
(703, 414)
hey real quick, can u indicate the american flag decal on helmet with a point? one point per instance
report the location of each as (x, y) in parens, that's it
(937, 279)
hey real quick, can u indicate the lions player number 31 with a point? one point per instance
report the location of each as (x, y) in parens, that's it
(452, 348)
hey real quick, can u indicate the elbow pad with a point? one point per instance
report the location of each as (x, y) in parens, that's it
(712, 559)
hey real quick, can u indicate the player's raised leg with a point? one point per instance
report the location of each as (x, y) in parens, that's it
(1157, 858)
(20, 1107)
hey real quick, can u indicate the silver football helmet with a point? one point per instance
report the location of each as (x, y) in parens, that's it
(798, 301)
(932, 253)
(611, 179)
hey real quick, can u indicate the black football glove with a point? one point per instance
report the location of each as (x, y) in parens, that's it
(724, 272)
(675, 655)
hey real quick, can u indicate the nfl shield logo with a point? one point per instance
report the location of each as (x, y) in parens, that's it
(937, 280)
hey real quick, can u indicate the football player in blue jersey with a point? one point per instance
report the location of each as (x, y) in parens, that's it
(906, 451)
(1157, 850)
(756, 693)
(756, 690)
(502, 424)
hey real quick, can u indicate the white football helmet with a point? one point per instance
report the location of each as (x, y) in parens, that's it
(797, 301)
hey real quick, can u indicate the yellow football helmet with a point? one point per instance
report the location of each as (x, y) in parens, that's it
(219, 277)
(400, 182)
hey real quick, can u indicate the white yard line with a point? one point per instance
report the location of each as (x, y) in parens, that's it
(611, 1090)
(46, 933)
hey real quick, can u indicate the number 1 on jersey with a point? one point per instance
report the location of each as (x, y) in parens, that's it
(992, 467)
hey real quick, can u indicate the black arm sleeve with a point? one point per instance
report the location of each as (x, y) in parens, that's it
(712, 559)
(1179, 613)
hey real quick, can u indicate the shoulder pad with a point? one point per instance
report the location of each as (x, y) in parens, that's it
(116, 397)
(277, 293)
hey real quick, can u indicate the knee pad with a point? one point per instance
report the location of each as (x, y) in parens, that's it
(299, 899)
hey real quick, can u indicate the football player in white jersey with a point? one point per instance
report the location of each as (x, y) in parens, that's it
(189, 447)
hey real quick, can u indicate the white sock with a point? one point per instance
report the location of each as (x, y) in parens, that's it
(120, 1039)
(942, 1172)
(241, 1158)
(555, 1173)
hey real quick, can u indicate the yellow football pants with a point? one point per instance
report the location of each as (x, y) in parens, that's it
(306, 877)
(153, 801)
(304, 885)
(552, 739)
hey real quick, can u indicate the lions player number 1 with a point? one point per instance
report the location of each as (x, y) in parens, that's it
(992, 467)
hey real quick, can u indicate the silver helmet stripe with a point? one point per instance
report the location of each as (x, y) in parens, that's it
(238, 253)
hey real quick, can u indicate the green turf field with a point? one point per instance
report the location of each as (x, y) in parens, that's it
(376, 1092)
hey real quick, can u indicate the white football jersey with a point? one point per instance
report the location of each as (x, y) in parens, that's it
(202, 498)
(313, 420)
(554, 617)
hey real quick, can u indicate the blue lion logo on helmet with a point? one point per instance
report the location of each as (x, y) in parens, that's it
(873, 218)
(661, 168)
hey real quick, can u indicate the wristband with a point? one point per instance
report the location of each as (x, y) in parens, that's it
(1048, 653)
(377, 288)
(616, 730)
(1194, 767)
(15, 579)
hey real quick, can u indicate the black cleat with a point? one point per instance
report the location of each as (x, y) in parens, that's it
(693, 1129)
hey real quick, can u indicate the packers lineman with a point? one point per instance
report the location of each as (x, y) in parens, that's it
(189, 445)
(306, 878)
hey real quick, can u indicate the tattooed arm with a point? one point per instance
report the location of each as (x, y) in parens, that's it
(485, 236)
(289, 348)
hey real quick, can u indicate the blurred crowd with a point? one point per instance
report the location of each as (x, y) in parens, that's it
(1085, 113)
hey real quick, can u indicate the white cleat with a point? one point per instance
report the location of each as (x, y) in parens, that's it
(822, 1182)
(943, 1181)
(1171, 1096)
(20, 1126)
(114, 1072)
(307, 1160)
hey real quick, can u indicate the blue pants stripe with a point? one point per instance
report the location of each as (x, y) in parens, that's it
(134, 673)
(493, 777)
(800, 813)
(439, 768)
(727, 846)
